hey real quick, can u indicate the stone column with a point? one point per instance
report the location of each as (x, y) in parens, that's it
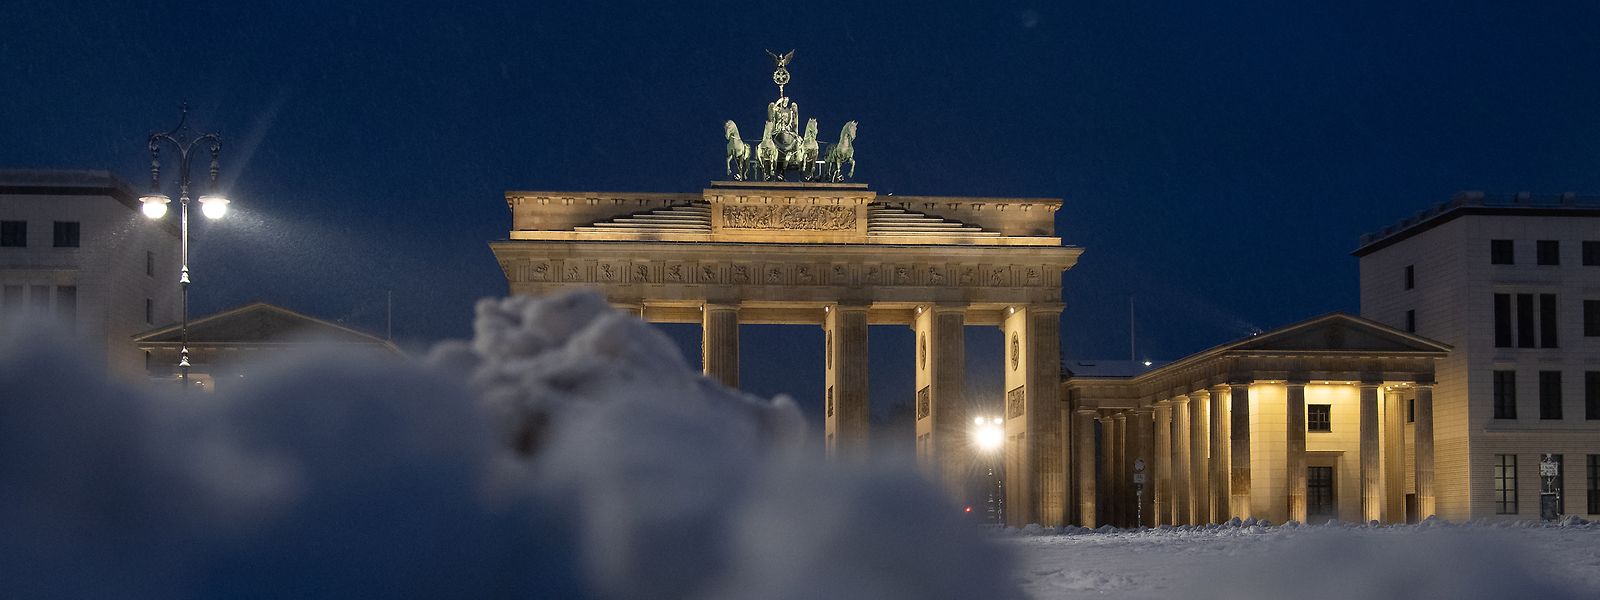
(1424, 459)
(1108, 465)
(1162, 492)
(1124, 466)
(1239, 455)
(942, 421)
(1183, 499)
(1031, 358)
(846, 419)
(1199, 463)
(1218, 477)
(1083, 455)
(1394, 448)
(1296, 450)
(1141, 438)
(1371, 483)
(719, 343)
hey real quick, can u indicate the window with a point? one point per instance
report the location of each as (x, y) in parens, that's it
(67, 304)
(66, 234)
(1505, 394)
(149, 263)
(1317, 417)
(1411, 410)
(1594, 484)
(1591, 318)
(1411, 321)
(1411, 276)
(1591, 395)
(1547, 321)
(13, 234)
(1501, 252)
(1502, 320)
(149, 312)
(1558, 484)
(1525, 320)
(1549, 394)
(1505, 484)
(1591, 254)
(1547, 252)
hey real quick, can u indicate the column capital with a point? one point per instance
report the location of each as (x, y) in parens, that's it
(1295, 383)
(711, 306)
(1234, 385)
(1200, 394)
(847, 305)
(1179, 399)
(1120, 416)
(1424, 384)
(1369, 385)
(1086, 412)
(947, 307)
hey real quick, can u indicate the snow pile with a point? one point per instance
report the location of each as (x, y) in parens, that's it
(566, 451)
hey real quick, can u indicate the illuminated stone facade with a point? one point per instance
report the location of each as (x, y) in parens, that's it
(1329, 418)
(838, 256)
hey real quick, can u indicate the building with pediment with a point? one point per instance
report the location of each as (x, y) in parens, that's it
(1330, 418)
(233, 344)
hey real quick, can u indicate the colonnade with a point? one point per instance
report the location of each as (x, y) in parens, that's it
(1034, 453)
(1197, 451)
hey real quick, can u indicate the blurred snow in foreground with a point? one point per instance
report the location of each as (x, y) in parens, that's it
(565, 452)
(1410, 562)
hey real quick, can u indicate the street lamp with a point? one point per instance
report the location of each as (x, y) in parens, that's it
(988, 436)
(213, 204)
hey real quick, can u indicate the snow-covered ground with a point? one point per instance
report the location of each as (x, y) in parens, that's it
(1331, 561)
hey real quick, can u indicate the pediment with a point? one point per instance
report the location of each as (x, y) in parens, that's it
(1338, 332)
(258, 323)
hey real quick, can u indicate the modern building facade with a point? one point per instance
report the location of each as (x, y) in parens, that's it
(1330, 418)
(74, 248)
(1513, 285)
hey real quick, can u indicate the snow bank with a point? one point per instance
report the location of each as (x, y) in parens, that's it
(566, 451)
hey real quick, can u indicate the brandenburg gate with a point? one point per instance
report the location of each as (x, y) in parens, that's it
(825, 252)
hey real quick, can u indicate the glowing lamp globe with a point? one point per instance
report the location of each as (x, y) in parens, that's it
(214, 206)
(154, 205)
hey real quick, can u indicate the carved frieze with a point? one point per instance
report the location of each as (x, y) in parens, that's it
(641, 272)
(741, 273)
(808, 218)
(924, 404)
(540, 272)
(1014, 402)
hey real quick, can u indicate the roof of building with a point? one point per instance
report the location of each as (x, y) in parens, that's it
(258, 324)
(74, 182)
(1478, 203)
(1330, 334)
(1108, 368)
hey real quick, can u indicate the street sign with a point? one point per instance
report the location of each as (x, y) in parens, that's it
(1138, 477)
(1138, 465)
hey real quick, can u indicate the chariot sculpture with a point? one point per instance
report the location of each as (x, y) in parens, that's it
(783, 147)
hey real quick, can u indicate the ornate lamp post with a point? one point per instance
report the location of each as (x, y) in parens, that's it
(212, 203)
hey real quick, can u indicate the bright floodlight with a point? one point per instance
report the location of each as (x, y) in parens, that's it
(999, 421)
(214, 206)
(155, 205)
(989, 438)
(978, 421)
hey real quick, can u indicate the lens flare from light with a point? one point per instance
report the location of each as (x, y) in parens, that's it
(989, 438)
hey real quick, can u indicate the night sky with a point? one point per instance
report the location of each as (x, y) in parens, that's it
(1218, 160)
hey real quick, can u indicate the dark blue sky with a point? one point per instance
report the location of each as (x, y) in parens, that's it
(1218, 160)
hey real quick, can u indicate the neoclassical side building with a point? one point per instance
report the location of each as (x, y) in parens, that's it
(1328, 418)
(838, 256)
